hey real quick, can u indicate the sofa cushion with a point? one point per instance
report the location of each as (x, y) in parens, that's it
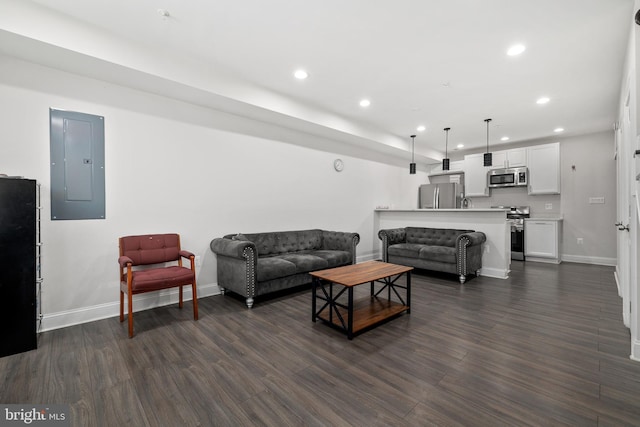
(305, 262)
(274, 267)
(411, 250)
(161, 278)
(438, 253)
(333, 258)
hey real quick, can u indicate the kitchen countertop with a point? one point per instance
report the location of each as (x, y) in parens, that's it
(442, 210)
(545, 218)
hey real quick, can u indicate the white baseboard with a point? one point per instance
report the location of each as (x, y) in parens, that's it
(590, 260)
(368, 257)
(494, 272)
(67, 318)
(635, 350)
(617, 278)
(141, 302)
(543, 260)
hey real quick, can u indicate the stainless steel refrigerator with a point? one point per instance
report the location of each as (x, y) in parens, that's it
(440, 196)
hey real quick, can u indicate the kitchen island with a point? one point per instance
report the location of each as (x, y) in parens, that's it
(496, 256)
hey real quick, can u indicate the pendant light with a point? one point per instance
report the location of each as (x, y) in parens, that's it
(445, 161)
(488, 160)
(412, 165)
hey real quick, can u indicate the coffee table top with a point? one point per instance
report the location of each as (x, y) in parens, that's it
(357, 274)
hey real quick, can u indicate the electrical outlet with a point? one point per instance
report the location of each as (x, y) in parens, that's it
(198, 261)
(548, 206)
(580, 240)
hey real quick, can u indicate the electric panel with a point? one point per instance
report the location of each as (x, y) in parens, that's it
(77, 165)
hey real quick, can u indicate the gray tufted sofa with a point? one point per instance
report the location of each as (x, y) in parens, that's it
(439, 249)
(256, 264)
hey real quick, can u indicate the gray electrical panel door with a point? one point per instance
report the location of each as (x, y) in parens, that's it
(77, 165)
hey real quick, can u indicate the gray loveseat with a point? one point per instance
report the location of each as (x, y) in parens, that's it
(256, 264)
(439, 249)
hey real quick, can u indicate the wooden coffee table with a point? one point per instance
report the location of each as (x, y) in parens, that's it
(357, 316)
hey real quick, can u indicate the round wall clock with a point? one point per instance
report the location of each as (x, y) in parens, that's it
(338, 165)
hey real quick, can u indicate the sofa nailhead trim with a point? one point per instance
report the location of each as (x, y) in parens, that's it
(462, 256)
(251, 284)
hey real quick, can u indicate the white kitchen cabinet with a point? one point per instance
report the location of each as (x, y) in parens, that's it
(457, 166)
(544, 169)
(542, 240)
(475, 176)
(509, 158)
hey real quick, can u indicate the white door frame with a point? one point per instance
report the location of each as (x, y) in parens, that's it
(623, 138)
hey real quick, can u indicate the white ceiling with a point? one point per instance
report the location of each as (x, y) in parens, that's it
(438, 63)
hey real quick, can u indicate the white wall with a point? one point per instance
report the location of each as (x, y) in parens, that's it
(177, 167)
(594, 176)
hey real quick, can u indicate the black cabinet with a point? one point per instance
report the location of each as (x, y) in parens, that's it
(19, 263)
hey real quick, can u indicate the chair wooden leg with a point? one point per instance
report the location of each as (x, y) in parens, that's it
(121, 306)
(195, 302)
(180, 302)
(130, 301)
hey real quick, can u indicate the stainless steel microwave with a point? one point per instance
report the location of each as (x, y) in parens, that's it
(509, 177)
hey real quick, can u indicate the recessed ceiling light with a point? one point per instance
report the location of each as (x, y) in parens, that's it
(421, 128)
(504, 138)
(558, 130)
(365, 103)
(460, 146)
(516, 49)
(543, 100)
(301, 74)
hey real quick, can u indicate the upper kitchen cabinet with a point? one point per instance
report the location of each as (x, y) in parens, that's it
(475, 176)
(544, 168)
(458, 165)
(509, 158)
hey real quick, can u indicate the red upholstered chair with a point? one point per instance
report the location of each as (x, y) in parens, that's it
(153, 250)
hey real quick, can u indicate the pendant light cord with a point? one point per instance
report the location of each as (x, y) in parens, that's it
(413, 146)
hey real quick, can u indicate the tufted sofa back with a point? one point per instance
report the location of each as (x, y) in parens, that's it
(280, 242)
(434, 236)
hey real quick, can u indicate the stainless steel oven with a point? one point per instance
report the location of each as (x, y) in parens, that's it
(515, 218)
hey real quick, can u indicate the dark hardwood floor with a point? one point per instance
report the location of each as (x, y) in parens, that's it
(546, 347)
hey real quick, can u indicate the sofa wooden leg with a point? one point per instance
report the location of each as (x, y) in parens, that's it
(463, 278)
(221, 290)
(249, 302)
